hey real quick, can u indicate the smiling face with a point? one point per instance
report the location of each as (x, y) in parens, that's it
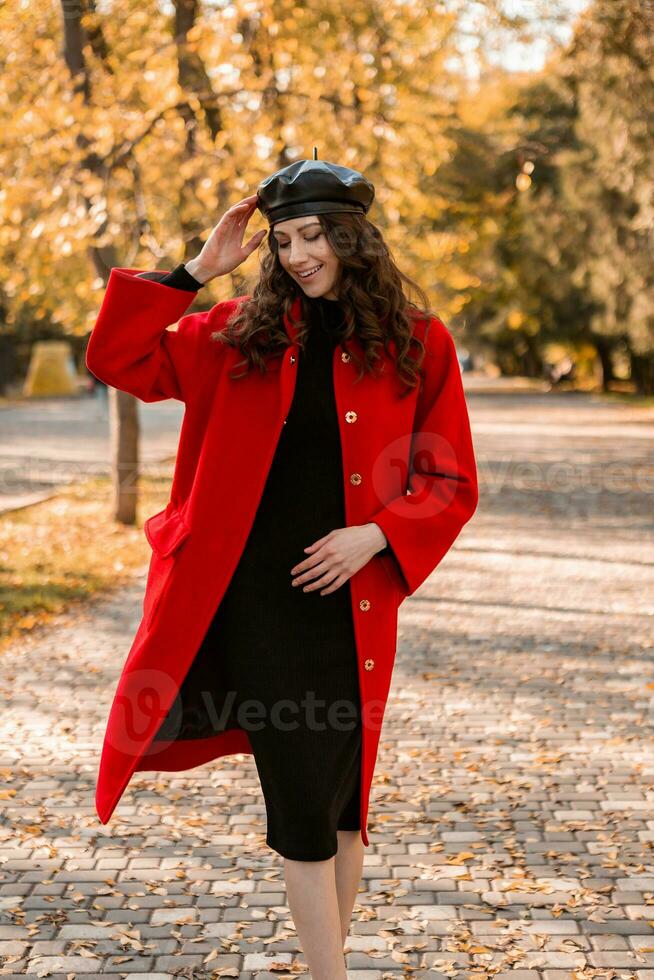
(302, 248)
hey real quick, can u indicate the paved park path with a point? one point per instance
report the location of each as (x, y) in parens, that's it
(512, 814)
(46, 443)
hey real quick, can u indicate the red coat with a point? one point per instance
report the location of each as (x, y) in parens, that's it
(408, 465)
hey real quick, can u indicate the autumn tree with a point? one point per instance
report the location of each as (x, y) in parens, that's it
(608, 180)
(138, 126)
(550, 187)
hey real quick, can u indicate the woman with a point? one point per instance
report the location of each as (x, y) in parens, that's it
(279, 602)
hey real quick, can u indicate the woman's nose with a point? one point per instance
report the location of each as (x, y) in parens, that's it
(298, 255)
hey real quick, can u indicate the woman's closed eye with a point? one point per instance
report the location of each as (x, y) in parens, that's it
(314, 239)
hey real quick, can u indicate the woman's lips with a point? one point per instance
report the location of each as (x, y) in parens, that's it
(316, 271)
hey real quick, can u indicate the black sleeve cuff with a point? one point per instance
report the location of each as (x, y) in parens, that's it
(179, 278)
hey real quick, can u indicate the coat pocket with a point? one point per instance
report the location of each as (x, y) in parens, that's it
(158, 575)
(166, 531)
(395, 577)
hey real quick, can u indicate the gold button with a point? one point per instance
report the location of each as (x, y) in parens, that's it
(292, 358)
(350, 416)
(345, 357)
(355, 478)
(365, 605)
(369, 664)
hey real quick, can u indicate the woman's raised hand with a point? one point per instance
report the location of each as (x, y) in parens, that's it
(224, 250)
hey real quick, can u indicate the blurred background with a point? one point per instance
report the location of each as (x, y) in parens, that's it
(510, 143)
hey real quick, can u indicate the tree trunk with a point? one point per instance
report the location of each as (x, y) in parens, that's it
(642, 373)
(125, 432)
(604, 349)
(124, 427)
(531, 362)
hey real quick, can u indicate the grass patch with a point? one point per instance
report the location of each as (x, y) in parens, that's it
(64, 550)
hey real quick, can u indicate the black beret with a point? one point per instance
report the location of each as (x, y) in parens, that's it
(313, 187)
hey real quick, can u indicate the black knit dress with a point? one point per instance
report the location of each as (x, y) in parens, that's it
(280, 660)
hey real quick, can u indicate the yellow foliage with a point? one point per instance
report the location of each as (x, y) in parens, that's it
(515, 320)
(134, 168)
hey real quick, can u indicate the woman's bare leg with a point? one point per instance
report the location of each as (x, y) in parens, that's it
(348, 868)
(313, 902)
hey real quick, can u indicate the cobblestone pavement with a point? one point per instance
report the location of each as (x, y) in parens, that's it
(48, 442)
(512, 813)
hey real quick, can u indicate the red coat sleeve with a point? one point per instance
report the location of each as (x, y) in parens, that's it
(421, 525)
(130, 348)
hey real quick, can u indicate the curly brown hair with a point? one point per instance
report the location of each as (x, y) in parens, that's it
(370, 291)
